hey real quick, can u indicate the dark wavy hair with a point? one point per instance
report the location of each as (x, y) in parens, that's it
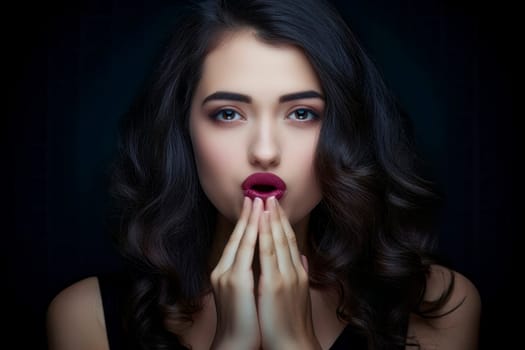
(372, 234)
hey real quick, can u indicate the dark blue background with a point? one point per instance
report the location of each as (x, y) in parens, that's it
(73, 69)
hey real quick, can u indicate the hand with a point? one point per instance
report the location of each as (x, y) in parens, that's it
(233, 285)
(284, 306)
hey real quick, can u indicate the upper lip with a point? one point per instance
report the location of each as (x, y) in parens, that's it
(267, 179)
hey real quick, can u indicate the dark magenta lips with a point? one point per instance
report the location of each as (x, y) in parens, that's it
(263, 185)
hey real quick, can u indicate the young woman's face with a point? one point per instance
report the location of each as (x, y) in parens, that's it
(235, 136)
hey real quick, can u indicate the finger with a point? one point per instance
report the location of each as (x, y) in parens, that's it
(290, 236)
(305, 262)
(246, 249)
(268, 260)
(228, 254)
(280, 241)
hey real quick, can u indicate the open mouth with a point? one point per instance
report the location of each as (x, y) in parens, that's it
(263, 185)
(263, 188)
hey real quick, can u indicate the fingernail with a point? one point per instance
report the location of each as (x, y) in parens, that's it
(257, 202)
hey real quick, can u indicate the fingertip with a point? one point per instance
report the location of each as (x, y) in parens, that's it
(276, 207)
(257, 202)
(246, 208)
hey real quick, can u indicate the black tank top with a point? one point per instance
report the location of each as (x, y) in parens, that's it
(113, 288)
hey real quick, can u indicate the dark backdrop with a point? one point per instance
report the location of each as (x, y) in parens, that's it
(73, 69)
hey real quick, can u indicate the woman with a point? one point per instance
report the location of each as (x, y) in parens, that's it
(269, 200)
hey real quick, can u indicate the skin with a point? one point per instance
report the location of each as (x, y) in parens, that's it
(280, 314)
(264, 135)
(261, 297)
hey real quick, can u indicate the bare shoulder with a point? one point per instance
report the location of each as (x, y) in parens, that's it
(75, 318)
(458, 327)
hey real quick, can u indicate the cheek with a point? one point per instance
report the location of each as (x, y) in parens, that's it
(217, 157)
(305, 192)
(303, 155)
(211, 155)
(214, 156)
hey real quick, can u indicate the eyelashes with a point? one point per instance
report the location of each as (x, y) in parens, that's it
(303, 113)
(228, 115)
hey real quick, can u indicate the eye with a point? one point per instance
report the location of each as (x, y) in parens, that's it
(224, 115)
(304, 114)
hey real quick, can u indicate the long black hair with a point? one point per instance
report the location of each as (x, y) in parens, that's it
(372, 234)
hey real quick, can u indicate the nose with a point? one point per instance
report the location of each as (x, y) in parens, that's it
(264, 150)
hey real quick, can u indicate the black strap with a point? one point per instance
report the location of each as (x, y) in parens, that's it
(111, 290)
(349, 339)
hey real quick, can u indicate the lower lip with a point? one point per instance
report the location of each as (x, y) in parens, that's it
(263, 195)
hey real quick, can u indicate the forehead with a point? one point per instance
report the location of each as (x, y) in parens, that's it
(242, 62)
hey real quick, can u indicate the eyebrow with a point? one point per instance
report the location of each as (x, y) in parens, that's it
(233, 96)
